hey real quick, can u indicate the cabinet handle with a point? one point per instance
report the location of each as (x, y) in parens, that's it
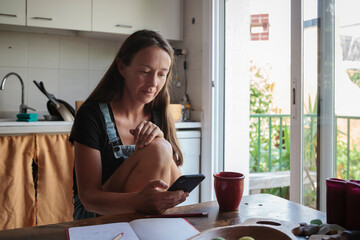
(7, 15)
(123, 26)
(43, 18)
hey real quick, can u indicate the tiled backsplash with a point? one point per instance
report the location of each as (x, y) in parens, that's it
(69, 66)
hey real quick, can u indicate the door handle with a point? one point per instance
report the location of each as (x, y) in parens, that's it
(42, 18)
(7, 15)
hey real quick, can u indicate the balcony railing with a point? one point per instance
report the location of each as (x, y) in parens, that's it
(270, 149)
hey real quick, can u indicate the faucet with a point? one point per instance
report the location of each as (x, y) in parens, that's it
(23, 107)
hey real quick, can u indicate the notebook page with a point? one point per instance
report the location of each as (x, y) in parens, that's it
(163, 229)
(102, 232)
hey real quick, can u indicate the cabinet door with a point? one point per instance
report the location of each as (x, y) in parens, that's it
(12, 12)
(190, 147)
(166, 16)
(128, 16)
(64, 14)
(117, 16)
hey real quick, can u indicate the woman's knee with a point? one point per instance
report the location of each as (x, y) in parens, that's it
(160, 149)
(161, 146)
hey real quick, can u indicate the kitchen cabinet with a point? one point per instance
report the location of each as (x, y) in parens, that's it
(189, 141)
(98, 16)
(65, 14)
(116, 16)
(128, 16)
(166, 17)
(13, 12)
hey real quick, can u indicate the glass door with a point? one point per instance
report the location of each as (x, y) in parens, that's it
(331, 90)
(292, 86)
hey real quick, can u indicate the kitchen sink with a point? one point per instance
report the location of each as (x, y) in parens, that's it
(7, 120)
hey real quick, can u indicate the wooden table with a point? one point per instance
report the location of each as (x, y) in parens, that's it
(252, 206)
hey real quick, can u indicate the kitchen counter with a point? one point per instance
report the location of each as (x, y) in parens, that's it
(56, 127)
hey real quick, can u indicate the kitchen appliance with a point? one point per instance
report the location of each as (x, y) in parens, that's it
(57, 107)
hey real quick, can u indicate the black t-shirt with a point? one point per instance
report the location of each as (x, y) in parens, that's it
(90, 130)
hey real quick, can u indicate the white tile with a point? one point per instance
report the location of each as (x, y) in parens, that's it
(10, 97)
(13, 49)
(43, 51)
(50, 79)
(74, 85)
(74, 53)
(101, 53)
(94, 78)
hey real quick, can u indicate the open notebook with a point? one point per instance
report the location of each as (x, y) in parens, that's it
(143, 229)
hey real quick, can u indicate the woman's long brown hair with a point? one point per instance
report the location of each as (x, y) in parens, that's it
(112, 84)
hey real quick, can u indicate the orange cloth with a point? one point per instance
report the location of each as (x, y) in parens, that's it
(54, 156)
(17, 198)
(54, 194)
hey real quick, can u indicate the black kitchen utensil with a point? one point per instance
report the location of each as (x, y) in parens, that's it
(56, 106)
(53, 111)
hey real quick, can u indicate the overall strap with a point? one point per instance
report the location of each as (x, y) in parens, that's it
(114, 140)
(110, 126)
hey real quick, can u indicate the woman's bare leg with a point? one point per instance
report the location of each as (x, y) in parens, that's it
(150, 163)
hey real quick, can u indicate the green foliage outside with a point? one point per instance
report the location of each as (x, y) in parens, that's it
(347, 169)
(354, 75)
(270, 139)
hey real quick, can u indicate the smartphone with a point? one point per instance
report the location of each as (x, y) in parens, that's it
(187, 182)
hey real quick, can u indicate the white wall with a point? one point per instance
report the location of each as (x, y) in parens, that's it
(193, 43)
(69, 66)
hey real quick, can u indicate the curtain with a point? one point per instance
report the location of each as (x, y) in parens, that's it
(17, 196)
(36, 178)
(55, 180)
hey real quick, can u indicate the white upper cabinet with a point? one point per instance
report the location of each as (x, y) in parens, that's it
(12, 12)
(63, 14)
(166, 17)
(116, 16)
(101, 16)
(128, 16)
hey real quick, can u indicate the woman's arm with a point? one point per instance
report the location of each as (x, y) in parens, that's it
(95, 199)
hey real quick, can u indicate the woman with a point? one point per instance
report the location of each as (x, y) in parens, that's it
(126, 150)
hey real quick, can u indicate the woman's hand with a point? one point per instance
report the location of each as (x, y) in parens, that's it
(145, 132)
(154, 200)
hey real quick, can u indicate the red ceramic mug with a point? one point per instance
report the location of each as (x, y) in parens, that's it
(352, 205)
(229, 188)
(336, 201)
